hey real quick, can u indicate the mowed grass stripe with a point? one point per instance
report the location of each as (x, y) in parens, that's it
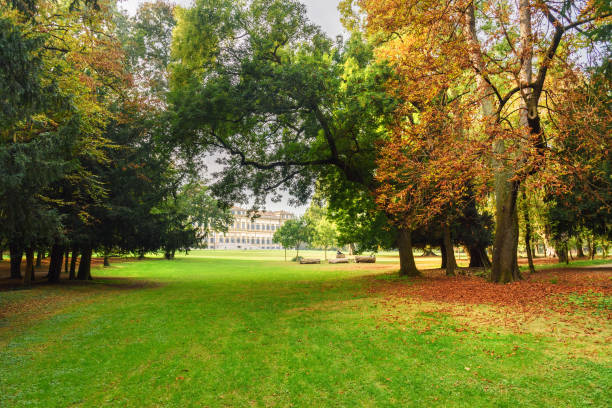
(239, 332)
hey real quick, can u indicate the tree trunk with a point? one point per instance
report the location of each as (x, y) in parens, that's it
(28, 276)
(75, 254)
(528, 233)
(404, 244)
(85, 265)
(38, 259)
(579, 249)
(506, 233)
(1, 255)
(351, 249)
(16, 256)
(451, 263)
(66, 255)
(141, 255)
(443, 253)
(106, 262)
(505, 263)
(285, 254)
(478, 257)
(55, 264)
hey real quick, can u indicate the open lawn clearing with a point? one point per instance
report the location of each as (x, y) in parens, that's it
(204, 331)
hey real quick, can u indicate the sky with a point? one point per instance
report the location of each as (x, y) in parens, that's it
(321, 12)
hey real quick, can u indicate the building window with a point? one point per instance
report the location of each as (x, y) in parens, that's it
(212, 240)
(257, 226)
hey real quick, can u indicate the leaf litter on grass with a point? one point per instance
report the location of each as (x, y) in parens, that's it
(573, 311)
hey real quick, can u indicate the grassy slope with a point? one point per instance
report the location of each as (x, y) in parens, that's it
(240, 332)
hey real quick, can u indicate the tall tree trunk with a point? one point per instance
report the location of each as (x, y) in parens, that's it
(285, 254)
(593, 248)
(38, 259)
(85, 265)
(451, 263)
(106, 262)
(351, 249)
(28, 276)
(528, 233)
(579, 249)
(404, 244)
(66, 263)
(75, 254)
(55, 264)
(1, 255)
(443, 254)
(16, 256)
(505, 263)
(478, 257)
(504, 267)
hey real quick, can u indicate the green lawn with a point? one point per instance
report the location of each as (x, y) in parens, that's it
(223, 329)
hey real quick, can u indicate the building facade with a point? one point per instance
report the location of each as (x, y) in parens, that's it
(250, 234)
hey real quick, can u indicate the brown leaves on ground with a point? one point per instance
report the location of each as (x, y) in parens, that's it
(535, 290)
(568, 306)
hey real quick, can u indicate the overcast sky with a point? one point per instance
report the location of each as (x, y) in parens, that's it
(321, 12)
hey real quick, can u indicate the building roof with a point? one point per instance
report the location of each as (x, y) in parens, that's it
(264, 212)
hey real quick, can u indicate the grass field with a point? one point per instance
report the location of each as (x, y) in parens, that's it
(225, 329)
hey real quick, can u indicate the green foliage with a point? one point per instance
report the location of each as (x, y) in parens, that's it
(285, 105)
(293, 233)
(323, 230)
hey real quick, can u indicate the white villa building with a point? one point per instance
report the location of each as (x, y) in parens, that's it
(247, 234)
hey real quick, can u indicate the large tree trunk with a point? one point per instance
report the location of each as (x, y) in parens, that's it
(55, 264)
(404, 244)
(106, 261)
(75, 254)
(478, 257)
(443, 254)
(451, 262)
(504, 267)
(16, 256)
(528, 233)
(579, 249)
(85, 265)
(505, 262)
(66, 263)
(38, 259)
(28, 276)
(562, 254)
(1, 255)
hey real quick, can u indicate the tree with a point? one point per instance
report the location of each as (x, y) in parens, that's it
(292, 234)
(279, 103)
(507, 61)
(324, 232)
